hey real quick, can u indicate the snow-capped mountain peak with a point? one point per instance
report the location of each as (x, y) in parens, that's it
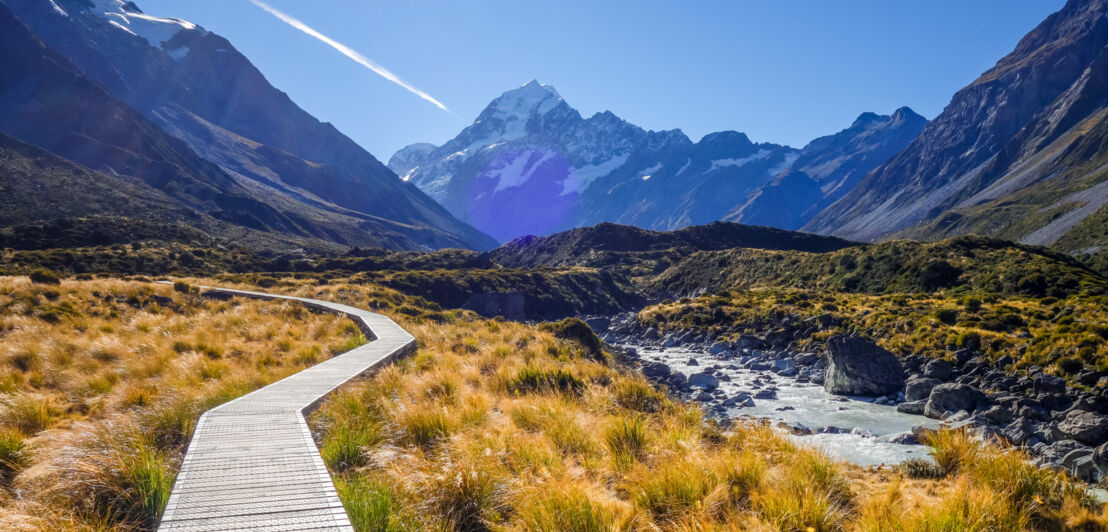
(521, 103)
(127, 17)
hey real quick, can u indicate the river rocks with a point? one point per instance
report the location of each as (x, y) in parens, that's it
(759, 366)
(939, 369)
(784, 365)
(919, 388)
(1049, 384)
(952, 397)
(598, 324)
(766, 394)
(860, 367)
(1085, 427)
(739, 400)
(1001, 413)
(912, 407)
(704, 381)
(1080, 464)
(719, 348)
(747, 342)
(656, 370)
(904, 439)
(1053, 453)
(807, 359)
(1100, 460)
(1019, 431)
(692, 362)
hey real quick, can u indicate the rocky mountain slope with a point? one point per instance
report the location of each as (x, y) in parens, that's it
(828, 168)
(1019, 153)
(531, 164)
(193, 85)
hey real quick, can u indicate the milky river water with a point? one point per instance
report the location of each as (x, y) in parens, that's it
(866, 427)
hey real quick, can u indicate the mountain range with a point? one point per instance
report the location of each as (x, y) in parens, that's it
(531, 164)
(167, 104)
(1019, 154)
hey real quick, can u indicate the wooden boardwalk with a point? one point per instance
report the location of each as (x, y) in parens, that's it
(252, 464)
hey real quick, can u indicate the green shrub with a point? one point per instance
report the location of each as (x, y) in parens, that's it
(947, 316)
(180, 286)
(532, 379)
(44, 276)
(575, 330)
(13, 452)
(371, 505)
(921, 468)
(969, 340)
(627, 440)
(938, 274)
(1070, 365)
(972, 305)
(639, 396)
(343, 446)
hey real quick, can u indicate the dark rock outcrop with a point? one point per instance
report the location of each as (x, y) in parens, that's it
(857, 366)
(953, 398)
(919, 388)
(1085, 427)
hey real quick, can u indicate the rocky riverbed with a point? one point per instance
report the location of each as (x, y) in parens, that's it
(864, 404)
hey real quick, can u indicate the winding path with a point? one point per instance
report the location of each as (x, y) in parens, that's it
(252, 464)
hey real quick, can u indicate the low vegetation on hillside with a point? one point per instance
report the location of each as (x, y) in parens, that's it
(959, 265)
(102, 381)
(1066, 335)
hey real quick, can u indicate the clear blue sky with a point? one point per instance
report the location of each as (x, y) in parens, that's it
(781, 71)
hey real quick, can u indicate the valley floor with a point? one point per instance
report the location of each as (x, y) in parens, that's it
(489, 425)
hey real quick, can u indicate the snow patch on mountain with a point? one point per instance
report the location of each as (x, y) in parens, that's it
(519, 169)
(688, 163)
(786, 163)
(582, 177)
(155, 30)
(720, 163)
(649, 172)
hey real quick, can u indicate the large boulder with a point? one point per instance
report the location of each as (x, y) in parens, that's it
(938, 369)
(1085, 427)
(858, 366)
(953, 397)
(706, 381)
(919, 388)
(656, 370)
(912, 407)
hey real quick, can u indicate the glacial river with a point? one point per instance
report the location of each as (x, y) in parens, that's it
(867, 428)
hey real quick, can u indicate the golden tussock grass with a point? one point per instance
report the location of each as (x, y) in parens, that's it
(502, 426)
(488, 426)
(101, 384)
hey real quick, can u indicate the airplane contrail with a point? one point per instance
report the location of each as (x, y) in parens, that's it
(348, 52)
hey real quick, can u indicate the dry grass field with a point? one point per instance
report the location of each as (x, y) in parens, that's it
(502, 426)
(102, 381)
(490, 425)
